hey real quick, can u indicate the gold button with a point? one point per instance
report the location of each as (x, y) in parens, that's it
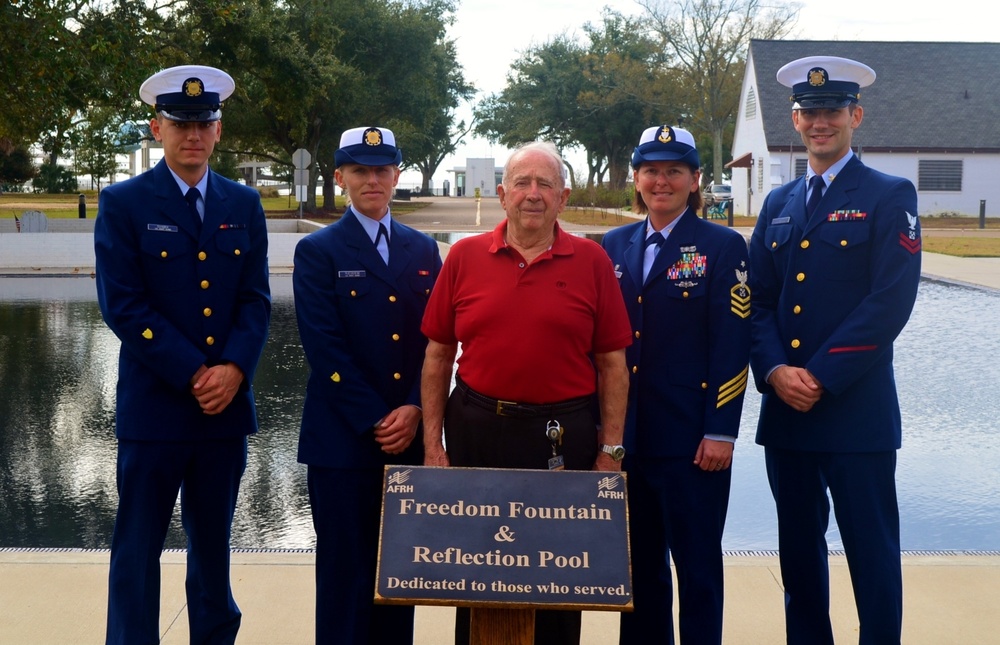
(685, 294)
(237, 252)
(704, 386)
(795, 343)
(353, 293)
(210, 340)
(395, 336)
(202, 255)
(800, 277)
(774, 245)
(204, 284)
(207, 311)
(640, 300)
(804, 244)
(397, 376)
(335, 377)
(635, 369)
(637, 334)
(796, 309)
(843, 242)
(392, 298)
(148, 334)
(163, 254)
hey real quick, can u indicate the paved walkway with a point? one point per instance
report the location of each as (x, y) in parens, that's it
(59, 598)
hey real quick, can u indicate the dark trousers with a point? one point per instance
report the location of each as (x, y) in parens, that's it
(863, 489)
(479, 438)
(346, 508)
(150, 474)
(675, 507)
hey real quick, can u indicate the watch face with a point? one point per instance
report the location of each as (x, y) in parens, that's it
(617, 452)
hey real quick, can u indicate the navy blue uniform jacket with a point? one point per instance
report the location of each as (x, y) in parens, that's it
(179, 298)
(359, 321)
(831, 293)
(689, 367)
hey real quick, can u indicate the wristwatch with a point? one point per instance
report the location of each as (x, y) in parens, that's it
(617, 452)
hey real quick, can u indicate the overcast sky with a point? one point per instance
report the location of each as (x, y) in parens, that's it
(491, 34)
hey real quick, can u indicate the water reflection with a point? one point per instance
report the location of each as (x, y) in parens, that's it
(57, 444)
(58, 366)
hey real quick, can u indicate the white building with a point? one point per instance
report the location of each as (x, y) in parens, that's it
(477, 173)
(930, 116)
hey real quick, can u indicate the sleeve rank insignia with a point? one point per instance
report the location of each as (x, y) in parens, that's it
(739, 302)
(910, 239)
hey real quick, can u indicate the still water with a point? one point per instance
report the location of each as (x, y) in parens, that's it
(58, 366)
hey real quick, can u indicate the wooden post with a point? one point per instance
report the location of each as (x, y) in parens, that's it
(502, 626)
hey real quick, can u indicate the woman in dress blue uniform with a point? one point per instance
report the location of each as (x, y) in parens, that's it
(685, 286)
(182, 281)
(835, 264)
(361, 285)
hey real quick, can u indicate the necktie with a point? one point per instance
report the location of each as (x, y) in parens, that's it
(383, 249)
(816, 185)
(649, 254)
(192, 199)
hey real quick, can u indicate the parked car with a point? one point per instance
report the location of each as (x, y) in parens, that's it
(717, 193)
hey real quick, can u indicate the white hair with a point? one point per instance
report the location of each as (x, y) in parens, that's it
(546, 147)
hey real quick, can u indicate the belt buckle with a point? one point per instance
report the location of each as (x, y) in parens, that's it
(500, 405)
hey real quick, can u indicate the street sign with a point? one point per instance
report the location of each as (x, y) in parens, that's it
(301, 158)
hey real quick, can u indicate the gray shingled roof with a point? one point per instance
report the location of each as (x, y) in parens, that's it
(926, 96)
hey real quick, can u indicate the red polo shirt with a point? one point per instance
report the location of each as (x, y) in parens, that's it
(528, 331)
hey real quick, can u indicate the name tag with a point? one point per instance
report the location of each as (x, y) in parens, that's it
(781, 220)
(161, 228)
(351, 274)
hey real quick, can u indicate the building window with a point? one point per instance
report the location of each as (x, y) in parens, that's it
(750, 107)
(801, 166)
(939, 175)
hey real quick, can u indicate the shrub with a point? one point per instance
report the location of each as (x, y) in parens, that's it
(601, 197)
(53, 178)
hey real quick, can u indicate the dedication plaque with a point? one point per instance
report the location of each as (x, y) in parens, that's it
(518, 538)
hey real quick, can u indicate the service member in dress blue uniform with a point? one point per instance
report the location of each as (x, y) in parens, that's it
(684, 280)
(835, 263)
(361, 285)
(184, 286)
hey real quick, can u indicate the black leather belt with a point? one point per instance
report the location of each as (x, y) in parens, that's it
(520, 410)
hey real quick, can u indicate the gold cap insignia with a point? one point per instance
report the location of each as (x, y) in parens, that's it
(372, 137)
(194, 87)
(817, 77)
(666, 136)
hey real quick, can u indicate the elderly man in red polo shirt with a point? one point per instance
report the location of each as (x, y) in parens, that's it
(543, 329)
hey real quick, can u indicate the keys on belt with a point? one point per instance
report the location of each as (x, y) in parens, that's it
(554, 431)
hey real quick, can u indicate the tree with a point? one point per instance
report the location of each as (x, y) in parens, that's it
(628, 84)
(707, 41)
(61, 57)
(589, 96)
(101, 138)
(425, 150)
(16, 166)
(540, 99)
(306, 71)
